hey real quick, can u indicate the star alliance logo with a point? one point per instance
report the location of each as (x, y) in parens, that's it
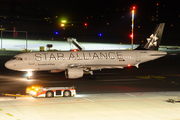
(152, 41)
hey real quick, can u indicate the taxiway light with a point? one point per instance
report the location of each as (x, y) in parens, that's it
(100, 34)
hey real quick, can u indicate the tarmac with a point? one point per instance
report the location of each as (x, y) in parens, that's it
(112, 106)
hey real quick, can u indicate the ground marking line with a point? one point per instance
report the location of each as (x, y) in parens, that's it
(80, 102)
(161, 105)
(130, 94)
(88, 100)
(9, 114)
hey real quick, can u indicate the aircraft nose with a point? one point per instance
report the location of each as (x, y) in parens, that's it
(8, 65)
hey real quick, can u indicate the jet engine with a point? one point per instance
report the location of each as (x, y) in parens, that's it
(73, 73)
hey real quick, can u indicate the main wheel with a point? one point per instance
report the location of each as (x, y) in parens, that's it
(49, 94)
(67, 93)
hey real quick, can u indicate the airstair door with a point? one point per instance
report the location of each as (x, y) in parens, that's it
(31, 59)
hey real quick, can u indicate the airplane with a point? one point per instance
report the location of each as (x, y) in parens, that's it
(77, 63)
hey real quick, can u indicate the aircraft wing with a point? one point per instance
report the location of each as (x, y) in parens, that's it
(95, 66)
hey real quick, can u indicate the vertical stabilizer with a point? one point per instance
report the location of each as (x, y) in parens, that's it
(154, 40)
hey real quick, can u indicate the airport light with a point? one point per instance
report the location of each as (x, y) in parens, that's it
(63, 21)
(62, 25)
(100, 34)
(56, 32)
(85, 24)
(132, 35)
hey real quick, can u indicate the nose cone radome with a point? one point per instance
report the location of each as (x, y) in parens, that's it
(8, 65)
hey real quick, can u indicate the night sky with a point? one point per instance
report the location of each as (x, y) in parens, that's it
(111, 18)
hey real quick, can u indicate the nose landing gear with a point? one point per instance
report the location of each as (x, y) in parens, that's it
(29, 74)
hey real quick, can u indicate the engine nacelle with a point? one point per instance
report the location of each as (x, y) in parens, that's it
(73, 73)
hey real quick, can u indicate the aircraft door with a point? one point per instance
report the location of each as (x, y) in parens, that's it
(138, 57)
(31, 59)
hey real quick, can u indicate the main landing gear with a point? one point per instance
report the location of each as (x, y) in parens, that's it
(91, 76)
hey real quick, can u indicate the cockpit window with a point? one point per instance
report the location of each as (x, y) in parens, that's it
(16, 58)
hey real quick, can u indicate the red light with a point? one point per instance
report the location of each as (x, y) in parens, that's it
(74, 50)
(130, 35)
(85, 24)
(157, 4)
(128, 65)
(134, 7)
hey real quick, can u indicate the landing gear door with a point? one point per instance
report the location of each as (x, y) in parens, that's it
(138, 57)
(31, 59)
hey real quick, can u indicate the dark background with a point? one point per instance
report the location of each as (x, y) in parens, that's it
(41, 19)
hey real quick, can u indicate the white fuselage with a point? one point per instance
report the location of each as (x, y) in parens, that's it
(61, 60)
